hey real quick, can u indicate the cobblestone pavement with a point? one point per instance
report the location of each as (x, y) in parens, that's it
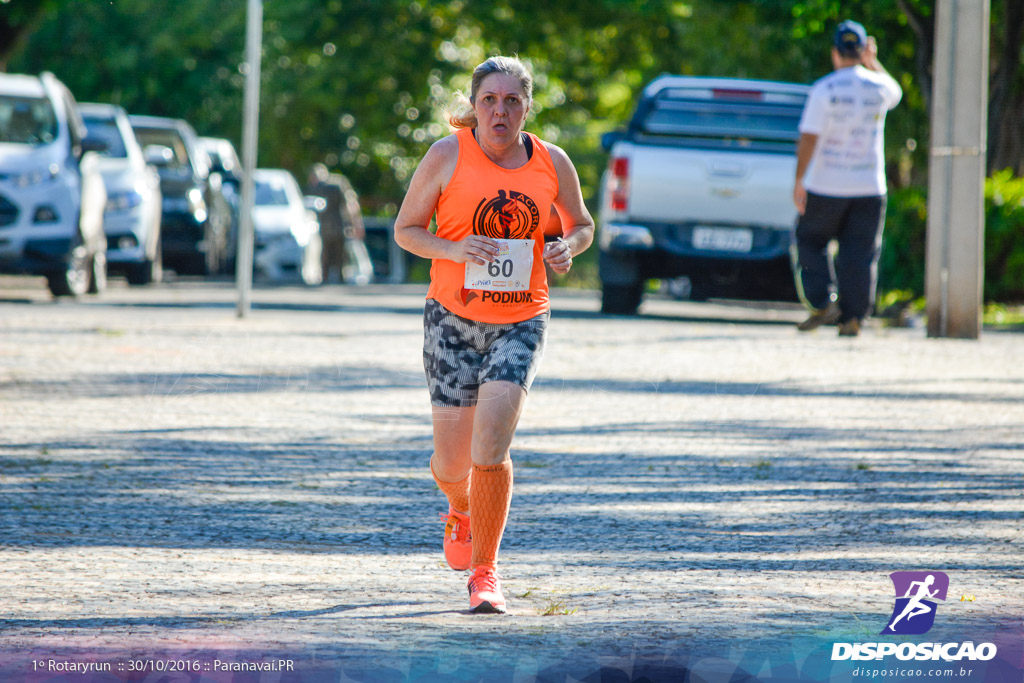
(173, 478)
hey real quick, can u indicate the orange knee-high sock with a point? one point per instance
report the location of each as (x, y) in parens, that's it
(457, 492)
(489, 498)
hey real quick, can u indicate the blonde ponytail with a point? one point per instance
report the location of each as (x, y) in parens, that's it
(461, 114)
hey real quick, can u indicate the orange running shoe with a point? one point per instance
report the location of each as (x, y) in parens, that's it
(458, 543)
(485, 595)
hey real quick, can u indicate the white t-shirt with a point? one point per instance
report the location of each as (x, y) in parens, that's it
(846, 110)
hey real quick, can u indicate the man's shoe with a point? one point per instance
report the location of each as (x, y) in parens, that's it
(851, 328)
(458, 543)
(822, 316)
(485, 595)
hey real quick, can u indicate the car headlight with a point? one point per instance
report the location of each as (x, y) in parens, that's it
(196, 204)
(123, 201)
(35, 176)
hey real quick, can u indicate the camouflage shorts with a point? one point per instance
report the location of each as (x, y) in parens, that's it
(459, 354)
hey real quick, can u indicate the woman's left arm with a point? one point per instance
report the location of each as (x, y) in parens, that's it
(577, 224)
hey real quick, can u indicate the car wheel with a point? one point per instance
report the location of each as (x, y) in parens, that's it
(140, 274)
(98, 273)
(73, 280)
(700, 291)
(621, 299)
(147, 272)
(194, 264)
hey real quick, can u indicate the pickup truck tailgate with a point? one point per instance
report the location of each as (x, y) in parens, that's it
(668, 186)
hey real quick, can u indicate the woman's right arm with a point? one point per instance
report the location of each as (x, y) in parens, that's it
(420, 203)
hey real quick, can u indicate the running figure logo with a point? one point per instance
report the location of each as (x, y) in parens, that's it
(509, 216)
(914, 612)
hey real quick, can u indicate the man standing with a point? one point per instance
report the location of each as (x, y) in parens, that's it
(840, 189)
(341, 228)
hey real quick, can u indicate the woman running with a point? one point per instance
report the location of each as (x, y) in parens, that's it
(492, 188)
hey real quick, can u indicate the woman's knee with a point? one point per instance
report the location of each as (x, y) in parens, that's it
(497, 415)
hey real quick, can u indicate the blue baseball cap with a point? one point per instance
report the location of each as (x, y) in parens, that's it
(850, 38)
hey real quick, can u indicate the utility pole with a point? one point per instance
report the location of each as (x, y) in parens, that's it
(250, 134)
(954, 266)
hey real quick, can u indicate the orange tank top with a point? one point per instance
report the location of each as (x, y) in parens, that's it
(486, 199)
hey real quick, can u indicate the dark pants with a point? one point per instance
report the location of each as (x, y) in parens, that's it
(856, 223)
(332, 256)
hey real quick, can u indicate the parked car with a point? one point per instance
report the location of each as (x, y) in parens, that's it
(51, 192)
(287, 234)
(196, 218)
(698, 192)
(224, 161)
(133, 210)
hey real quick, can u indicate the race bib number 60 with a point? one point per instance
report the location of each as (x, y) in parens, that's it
(510, 272)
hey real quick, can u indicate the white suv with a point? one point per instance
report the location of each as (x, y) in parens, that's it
(132, 217)
(52, 195)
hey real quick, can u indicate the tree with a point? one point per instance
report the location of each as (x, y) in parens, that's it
(1006, 90)
(363, 84)
(1006, 81)
(17, 20)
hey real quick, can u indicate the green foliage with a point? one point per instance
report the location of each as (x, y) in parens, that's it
(902, 265)
(363, 85)
(1000, 315)
(556, 607)
(17, 19)
(1004, 238)
(898, 49)
(150, 57)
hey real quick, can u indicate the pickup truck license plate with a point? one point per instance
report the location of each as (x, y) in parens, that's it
(723, 239)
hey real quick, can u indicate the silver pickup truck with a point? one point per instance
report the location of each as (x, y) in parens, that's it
(698, 192)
